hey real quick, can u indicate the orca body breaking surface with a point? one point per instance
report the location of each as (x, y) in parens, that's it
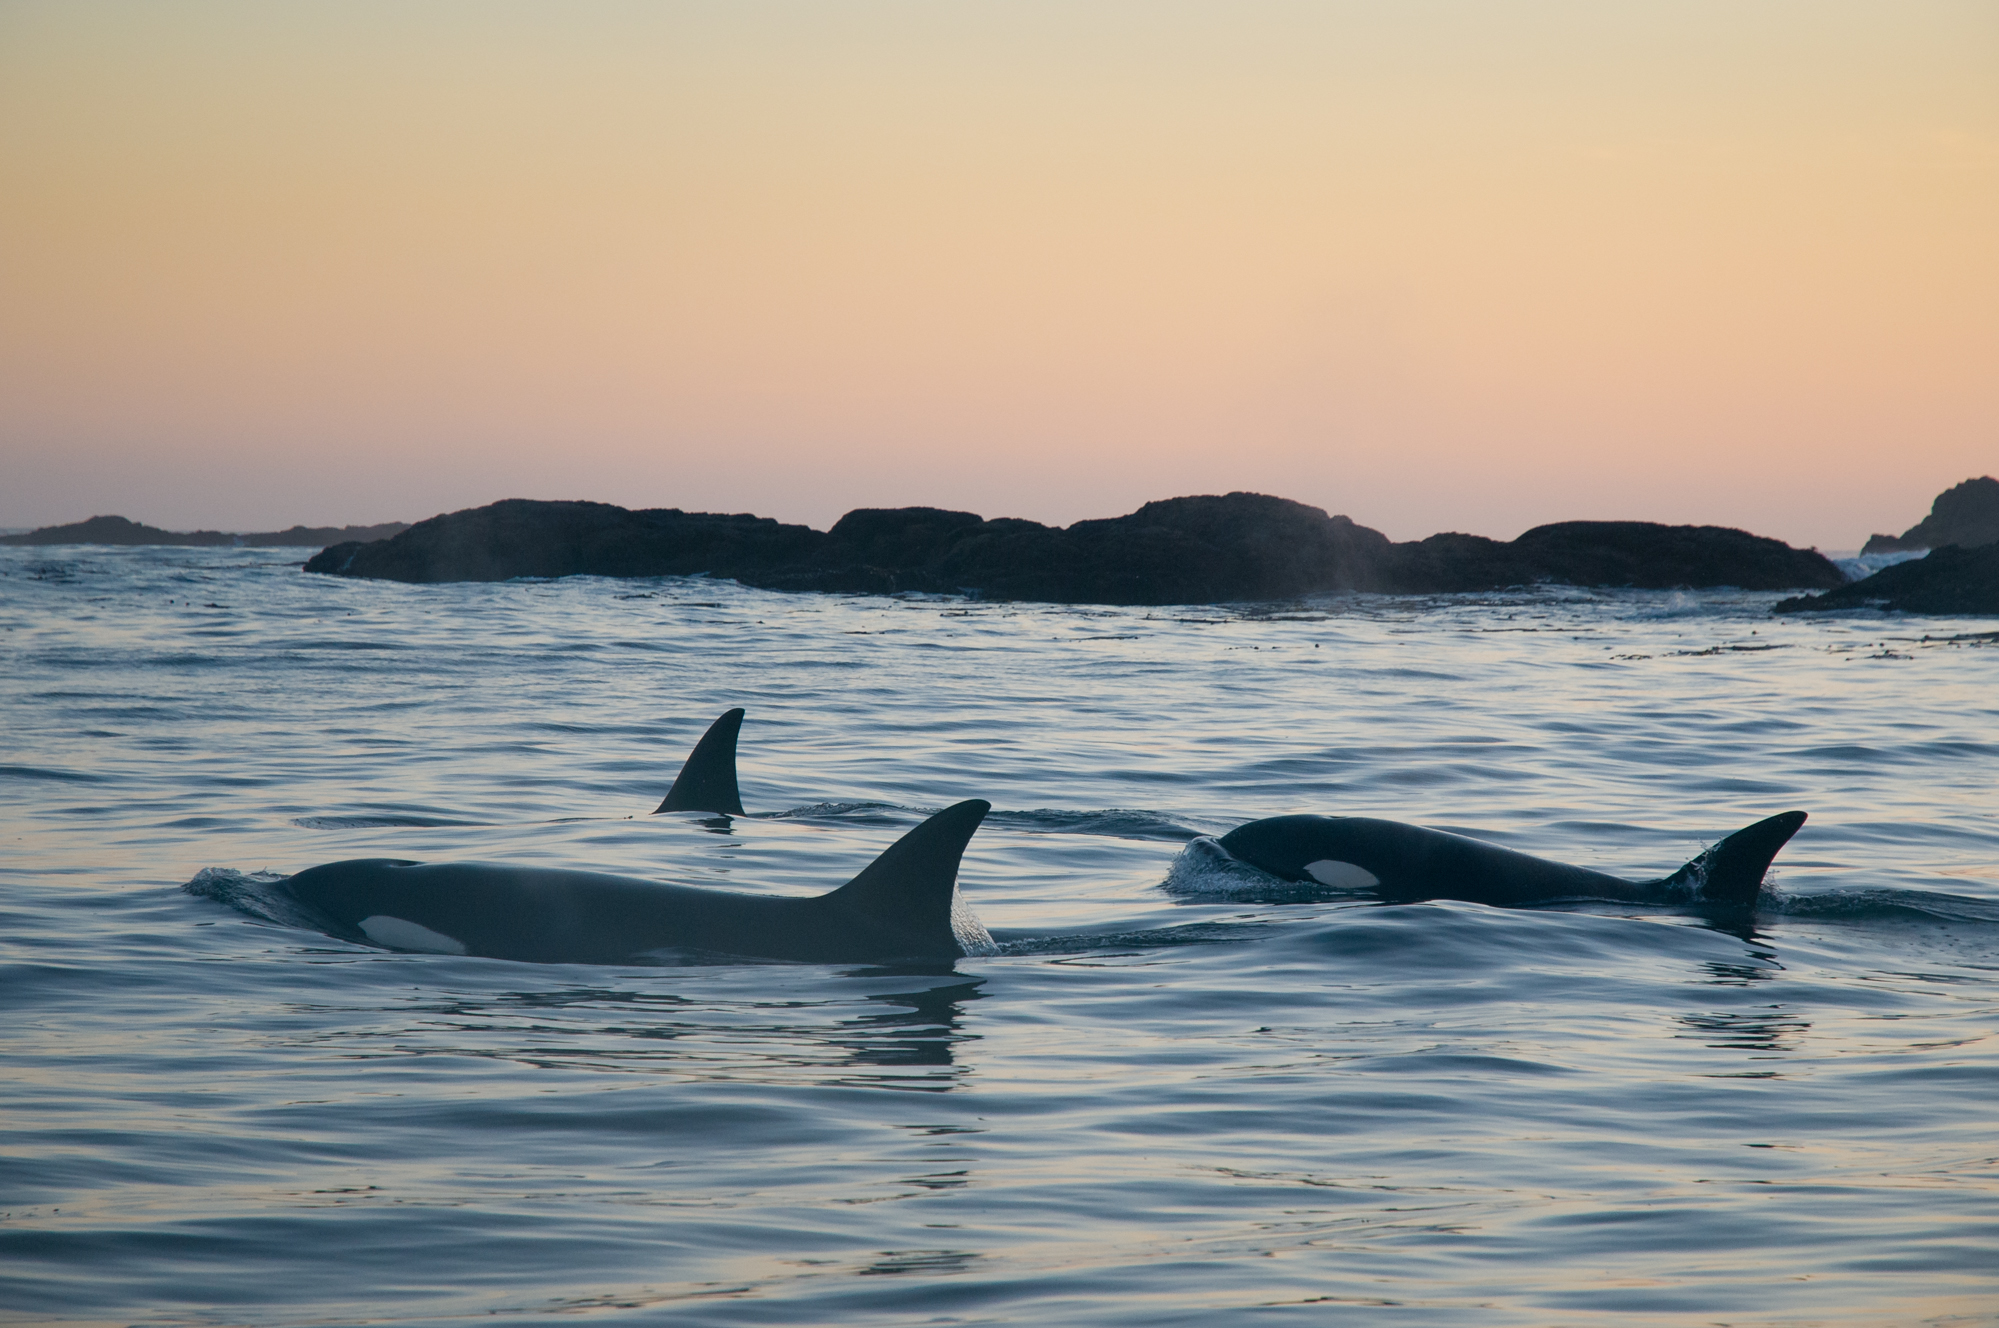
(904, 905)
(1407, 863)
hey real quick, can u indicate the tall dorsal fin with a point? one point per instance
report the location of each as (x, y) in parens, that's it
(1732, 871)
(913, 886)
(707, 782)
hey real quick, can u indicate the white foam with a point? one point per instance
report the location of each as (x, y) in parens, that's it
(402, 934)
(1204, 867)
(973, 938)
(1862, 565)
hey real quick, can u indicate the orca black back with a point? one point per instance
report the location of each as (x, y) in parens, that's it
(903, 905)
(1406, 863)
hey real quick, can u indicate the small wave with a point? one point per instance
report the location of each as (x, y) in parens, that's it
(1149, 938)
(1116, 822)
(57, 571)
(373, 822)
(337, 643)
(1112, 822)
(850, 813)
(37, 772)
(1882, 904)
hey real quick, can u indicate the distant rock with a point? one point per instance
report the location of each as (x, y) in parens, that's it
(313, 537)
(1641, 555)
(526, 537)
(1205, 549)
(875, 550)
(1183, 550)
(118, 530)
(1239, 546)
(1966, 514)
(1951, 580)
(1648, 556)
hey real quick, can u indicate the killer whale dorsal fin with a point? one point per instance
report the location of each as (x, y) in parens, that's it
(707, 783)
(913, 886)
(1732, 871)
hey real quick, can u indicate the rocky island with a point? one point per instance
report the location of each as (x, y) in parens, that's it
(1951, 580)
(1203, 549)
(1960, 575)
(119, 530)
(1965, 514)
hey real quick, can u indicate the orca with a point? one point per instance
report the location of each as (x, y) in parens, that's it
(707, 782)
(1407, 863)
(904, 905)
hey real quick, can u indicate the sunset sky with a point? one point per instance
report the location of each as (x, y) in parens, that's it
(1436, 264)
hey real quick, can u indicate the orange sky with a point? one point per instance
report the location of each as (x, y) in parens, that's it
(1463, 264)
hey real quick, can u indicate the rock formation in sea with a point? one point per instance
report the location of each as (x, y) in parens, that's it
(119, 530)
(1966, 514)
(1951, 580)
(1177, 551)
(1639, 554)
(528, 537)
(1204, 549)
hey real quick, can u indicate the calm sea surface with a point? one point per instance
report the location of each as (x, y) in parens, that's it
(1156, 1106)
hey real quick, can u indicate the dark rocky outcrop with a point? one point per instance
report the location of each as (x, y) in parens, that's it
(1202, 549)
(1641, 555)
(1178, 551)
(1207, 549)
(878, 550)
(1183, 550)
(1950, 581)
(1648, 556)
(118, 530)
(1966, 514)
(525, 537)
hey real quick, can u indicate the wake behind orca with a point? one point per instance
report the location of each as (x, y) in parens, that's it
(1406, 863)
(904, 905)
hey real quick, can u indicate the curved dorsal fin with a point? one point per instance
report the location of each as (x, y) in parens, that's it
(1732, 871)
(913, 886)
(707, 782)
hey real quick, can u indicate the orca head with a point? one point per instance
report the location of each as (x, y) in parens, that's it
(1204, 867)
(1300, 848)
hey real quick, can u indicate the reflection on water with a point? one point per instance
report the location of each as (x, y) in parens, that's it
(921, 1032)
(895, 1263)
(770, 1037)
(1724, 973)
(1767, 1029)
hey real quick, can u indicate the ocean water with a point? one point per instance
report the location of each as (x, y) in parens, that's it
(1214, 1102)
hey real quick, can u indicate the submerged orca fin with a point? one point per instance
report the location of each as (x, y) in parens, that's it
(1732, 871)
(913, 886)
(707, 782)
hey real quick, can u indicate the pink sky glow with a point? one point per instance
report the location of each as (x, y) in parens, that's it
(1451, 265)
